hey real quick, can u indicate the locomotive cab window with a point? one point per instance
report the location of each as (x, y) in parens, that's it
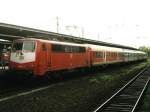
(29, 45)
(17, 46)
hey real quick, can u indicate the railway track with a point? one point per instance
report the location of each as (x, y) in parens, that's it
(10, 89)
(12, 84)
(128, 97)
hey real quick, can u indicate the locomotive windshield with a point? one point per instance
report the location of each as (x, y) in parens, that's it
(23, 45)
(29, 45)
(17, 46)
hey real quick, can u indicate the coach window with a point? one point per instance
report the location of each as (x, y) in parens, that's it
(101, 54)
(97, 54)
(111, 54)
(94, 54)
(121, 54)
(108, 54)
(128, 54)
(114, 54)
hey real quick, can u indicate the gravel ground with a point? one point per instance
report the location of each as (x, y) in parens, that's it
(76, 95)
(145, 105)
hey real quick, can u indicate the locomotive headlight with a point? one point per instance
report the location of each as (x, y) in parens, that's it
(21, 57)
(17, 54)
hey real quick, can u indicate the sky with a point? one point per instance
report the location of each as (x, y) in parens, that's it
(125, 22)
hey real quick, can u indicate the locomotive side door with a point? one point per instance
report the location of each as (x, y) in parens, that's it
(42, 59)
(48, 55)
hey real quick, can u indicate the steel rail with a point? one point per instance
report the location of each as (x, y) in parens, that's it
(120, 90)
(135, 106)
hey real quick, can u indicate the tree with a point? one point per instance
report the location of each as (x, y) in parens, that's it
(145, 49)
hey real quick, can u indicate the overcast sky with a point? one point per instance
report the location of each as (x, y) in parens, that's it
(124, 22)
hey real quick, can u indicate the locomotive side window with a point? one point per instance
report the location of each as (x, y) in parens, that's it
(43, 47)
(82, 49)
(61, 48)
(56, 48)
(77, 49)
(67, 48)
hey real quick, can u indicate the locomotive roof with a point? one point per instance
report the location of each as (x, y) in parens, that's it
(53, 42)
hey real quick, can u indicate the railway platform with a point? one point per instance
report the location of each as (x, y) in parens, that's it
(3, 69)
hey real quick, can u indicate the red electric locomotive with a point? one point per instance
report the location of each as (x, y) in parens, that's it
(40, 56)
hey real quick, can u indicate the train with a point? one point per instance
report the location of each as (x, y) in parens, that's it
(4, 58)
(4, 53)
(39, 56)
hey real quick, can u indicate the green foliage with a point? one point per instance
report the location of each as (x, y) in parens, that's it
(107, 77)
(146, 105)
(145, 49)
(94, 80)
